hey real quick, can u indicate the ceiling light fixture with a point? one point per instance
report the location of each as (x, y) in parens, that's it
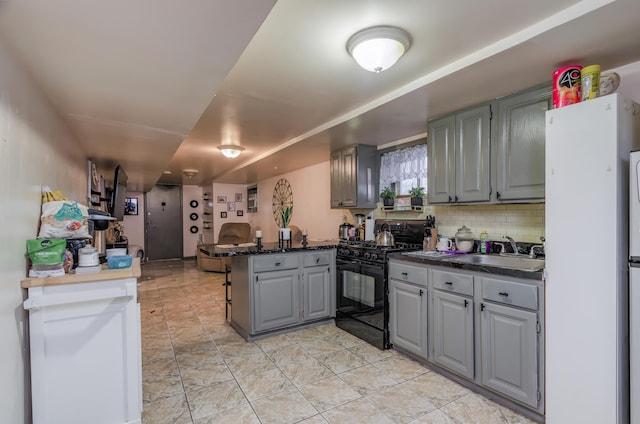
(190, 173)
(378, 48)
(231, 150)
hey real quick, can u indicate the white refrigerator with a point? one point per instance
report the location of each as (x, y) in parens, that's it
(587, 252)
(634, 285)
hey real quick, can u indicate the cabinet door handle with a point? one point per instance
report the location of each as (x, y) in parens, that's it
(421, 291)
(317, 260)
(498, 195)
(405, 274)
(450, 199)
(278, 263)
(448, 283)
(466, 302)
(505, 294)
(456, 198)
(482, 306)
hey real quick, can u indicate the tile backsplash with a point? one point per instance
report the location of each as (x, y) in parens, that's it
(523, 222)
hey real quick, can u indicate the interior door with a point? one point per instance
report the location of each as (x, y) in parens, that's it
(163, 222)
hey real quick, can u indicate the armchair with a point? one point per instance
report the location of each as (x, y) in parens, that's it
(230, 233)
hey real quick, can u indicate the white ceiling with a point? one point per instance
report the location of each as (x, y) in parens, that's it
(156, 85)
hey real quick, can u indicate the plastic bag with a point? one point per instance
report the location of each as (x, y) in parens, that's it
(46, 253)
(64, 219)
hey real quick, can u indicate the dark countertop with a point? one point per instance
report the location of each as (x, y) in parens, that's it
(267, 247)
(530, 275)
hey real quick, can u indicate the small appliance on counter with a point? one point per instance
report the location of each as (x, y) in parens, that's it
(343, 230)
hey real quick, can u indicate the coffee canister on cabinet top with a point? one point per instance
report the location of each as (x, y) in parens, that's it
(590, 86)
(566, 85)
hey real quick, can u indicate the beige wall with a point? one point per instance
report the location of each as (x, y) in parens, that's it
(311, 204)
(189, 239)
(229, 191)
(35, 149)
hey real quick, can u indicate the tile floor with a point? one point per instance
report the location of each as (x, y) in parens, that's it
(196, 369)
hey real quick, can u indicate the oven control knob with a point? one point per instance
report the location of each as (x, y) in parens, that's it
(356, 253)
(374, 256)
(367, 255)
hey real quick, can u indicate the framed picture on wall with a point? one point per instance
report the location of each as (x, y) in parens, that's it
(131, 206)
(223, 214)
(221, 199)
(240, 212)
(238, 197)
(231, 206)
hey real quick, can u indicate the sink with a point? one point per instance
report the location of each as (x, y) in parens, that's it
(521, 263)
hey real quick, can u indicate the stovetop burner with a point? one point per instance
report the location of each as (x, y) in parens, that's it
(408, 235)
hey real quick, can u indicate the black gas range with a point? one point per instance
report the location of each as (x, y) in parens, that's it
(362, 286)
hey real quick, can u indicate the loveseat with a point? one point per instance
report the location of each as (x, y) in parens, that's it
(230, 233)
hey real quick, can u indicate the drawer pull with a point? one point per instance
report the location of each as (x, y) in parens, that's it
(405, 274)
(503, 294)
(448, 283)
(278, 263)
(317, 260)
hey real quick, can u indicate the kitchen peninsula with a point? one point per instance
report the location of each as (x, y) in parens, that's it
(276, 289)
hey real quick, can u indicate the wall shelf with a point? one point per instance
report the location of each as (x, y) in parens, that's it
(398, 208)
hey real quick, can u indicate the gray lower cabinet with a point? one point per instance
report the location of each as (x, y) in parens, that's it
(521, 145)
(316, 292)
(486, 328)
(453, 332)
(459, 157)
(453, 324)
(509, 330)
(275, 291)
(276, 299)
(408, 317)
(408, 300)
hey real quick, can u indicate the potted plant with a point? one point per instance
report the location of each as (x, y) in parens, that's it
(285, 218)
(417, 194)
(387, 195)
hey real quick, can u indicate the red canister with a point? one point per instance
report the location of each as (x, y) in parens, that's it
(566, 85)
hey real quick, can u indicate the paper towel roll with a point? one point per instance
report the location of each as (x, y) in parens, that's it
(369, 226)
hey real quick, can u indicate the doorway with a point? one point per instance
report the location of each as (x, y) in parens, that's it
(163, 222)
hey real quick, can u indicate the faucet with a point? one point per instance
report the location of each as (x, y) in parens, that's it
(532, 253)
(514, 246)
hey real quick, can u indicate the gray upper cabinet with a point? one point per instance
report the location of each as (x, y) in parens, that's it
(520, 145)
(354, 182)
(459, 157)
(441, 169)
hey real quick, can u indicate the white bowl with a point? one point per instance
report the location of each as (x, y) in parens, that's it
(465, 246)
(120, 251)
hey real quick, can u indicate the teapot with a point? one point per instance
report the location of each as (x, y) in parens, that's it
(384, 237)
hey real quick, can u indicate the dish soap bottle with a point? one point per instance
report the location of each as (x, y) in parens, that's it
(483, 242)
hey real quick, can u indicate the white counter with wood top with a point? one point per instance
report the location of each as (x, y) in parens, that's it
(85, 346)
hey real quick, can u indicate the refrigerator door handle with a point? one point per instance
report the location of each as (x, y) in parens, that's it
(637, 180)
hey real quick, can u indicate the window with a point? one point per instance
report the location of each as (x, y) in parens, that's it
(403, 169)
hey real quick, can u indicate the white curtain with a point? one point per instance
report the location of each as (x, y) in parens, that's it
(403, 164)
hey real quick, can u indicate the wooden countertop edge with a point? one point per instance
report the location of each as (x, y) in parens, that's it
(105, 275)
